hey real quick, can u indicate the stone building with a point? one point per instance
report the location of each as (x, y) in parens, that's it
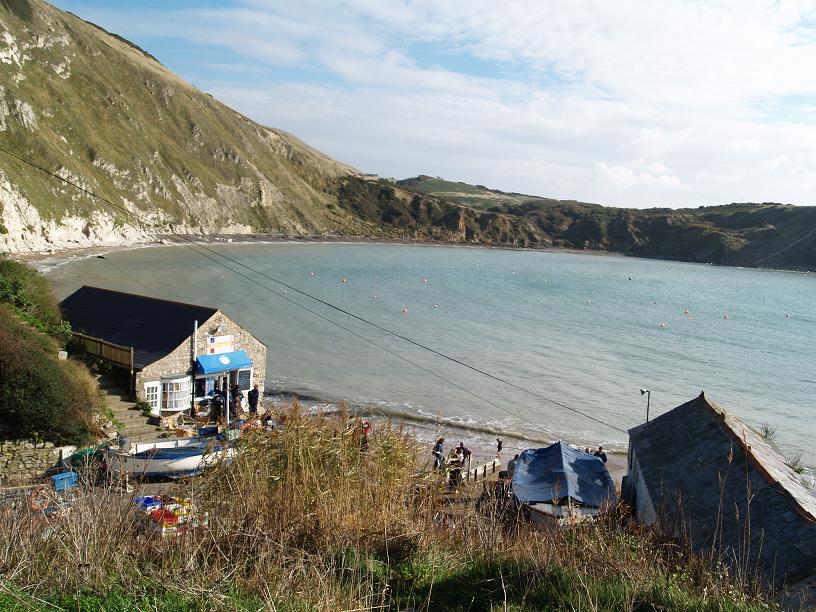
(170, 365)
(709, 478)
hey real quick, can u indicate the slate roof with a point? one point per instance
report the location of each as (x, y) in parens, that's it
(713, 478)
(153, 327)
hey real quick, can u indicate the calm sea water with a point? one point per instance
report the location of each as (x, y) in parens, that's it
(587, 331)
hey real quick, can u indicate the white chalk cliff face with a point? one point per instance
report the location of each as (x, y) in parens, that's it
(105, 115)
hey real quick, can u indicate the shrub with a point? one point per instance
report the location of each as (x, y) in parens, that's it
(40, 395)
(30, 296)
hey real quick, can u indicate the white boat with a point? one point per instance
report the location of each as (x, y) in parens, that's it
(175, 458)
(561, 485)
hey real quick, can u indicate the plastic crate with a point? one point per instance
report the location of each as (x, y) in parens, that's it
(64, 481)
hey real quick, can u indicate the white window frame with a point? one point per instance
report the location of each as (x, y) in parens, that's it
(152, 395)
(175, 393)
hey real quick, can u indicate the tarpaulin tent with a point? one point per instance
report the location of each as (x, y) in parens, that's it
(547, 475)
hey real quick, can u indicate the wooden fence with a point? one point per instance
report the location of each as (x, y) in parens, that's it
(120, 355)
(482, 472)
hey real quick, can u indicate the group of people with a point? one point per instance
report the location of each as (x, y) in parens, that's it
(218, 398)
(600, 454)
(458, 455)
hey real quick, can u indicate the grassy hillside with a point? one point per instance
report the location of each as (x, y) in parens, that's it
(41, 396)
(102, 112)
(98, 110)
(766, 235)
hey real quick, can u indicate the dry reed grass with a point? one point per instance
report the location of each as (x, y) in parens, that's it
(303, 519)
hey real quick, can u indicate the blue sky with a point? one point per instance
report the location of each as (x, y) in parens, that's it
(670, 103)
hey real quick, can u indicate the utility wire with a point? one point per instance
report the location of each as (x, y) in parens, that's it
(194, 245)
(319, 300)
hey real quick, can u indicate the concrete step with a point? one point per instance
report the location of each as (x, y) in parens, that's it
(140, 431)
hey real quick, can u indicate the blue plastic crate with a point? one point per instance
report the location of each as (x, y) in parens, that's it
(64, 481)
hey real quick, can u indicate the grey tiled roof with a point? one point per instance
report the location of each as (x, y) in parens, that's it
(713, 478)
(153, 327)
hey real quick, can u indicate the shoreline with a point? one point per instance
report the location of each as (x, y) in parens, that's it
(56, 257)
(480, 439)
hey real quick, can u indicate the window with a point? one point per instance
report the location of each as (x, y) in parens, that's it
(175, 394)
(152, 395)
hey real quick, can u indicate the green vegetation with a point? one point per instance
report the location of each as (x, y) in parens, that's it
(190, 164)
(31, 298)
(304, 520)
(764, 235)
(42, 397)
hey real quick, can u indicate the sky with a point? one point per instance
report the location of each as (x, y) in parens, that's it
(639, 104)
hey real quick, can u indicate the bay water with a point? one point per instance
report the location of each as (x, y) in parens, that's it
(576, 335)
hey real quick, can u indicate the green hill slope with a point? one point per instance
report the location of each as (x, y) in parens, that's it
(764, 235)
(98, 110)
(103, 113)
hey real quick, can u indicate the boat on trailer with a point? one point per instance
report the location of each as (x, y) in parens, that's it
(173, 458)
(561, 485)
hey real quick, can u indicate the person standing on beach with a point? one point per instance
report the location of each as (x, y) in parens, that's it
(498, 447)
(252, 398)
(439, 454)
(601, 454)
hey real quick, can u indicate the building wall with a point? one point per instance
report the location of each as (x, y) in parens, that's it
(644, 506)
(179, 362)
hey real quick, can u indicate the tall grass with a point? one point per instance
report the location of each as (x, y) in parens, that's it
(305, 519)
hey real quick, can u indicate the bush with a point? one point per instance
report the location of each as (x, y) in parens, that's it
(30, 296)
(41, 396)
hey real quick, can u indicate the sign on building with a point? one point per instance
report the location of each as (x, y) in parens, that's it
(219, 344)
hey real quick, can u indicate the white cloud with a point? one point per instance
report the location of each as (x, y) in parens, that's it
(628, 103)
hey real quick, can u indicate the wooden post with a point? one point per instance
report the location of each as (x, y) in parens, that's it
(132, 377)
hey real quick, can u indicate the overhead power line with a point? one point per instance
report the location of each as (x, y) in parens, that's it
(194, 245)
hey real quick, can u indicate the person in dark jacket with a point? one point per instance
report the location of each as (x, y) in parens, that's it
(600, 454)
(439, 454)
(252, 398)
(236, 397)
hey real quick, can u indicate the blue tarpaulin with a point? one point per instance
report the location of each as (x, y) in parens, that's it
(222, 362)
(544, 475)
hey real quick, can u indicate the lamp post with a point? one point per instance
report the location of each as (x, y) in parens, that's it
(648, 395)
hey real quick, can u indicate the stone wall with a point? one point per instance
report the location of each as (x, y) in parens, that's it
(23, 460)
(178, 361)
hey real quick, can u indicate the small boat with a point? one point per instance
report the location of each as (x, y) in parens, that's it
(561, 485)
(173, 458)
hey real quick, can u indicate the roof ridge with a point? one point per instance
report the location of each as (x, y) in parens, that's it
(146, 297)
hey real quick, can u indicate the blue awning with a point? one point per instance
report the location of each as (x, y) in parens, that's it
(222, 362)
